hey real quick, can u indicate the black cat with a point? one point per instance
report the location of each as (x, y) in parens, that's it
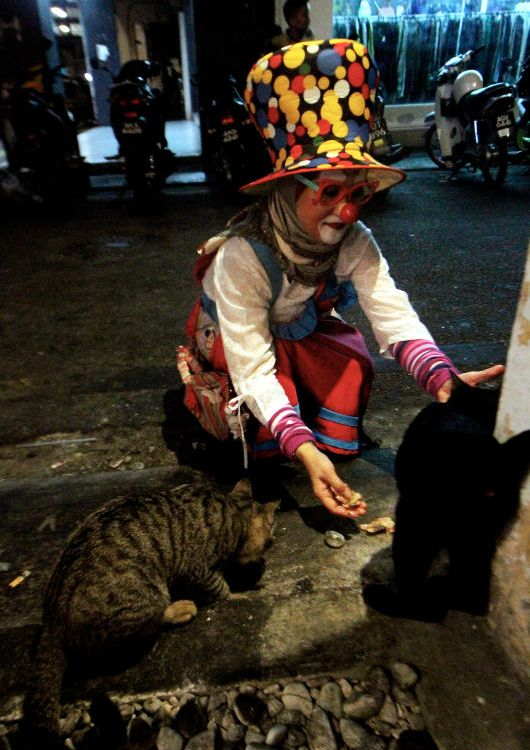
(458, 488)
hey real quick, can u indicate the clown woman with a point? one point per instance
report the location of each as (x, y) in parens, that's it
(267, 329)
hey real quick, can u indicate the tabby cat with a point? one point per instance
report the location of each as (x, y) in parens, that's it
(121, 576)
(458, 488)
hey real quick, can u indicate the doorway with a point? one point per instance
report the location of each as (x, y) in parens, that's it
(162, 32)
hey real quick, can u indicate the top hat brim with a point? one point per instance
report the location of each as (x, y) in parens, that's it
(385, 176)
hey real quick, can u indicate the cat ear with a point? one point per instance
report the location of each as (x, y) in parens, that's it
(271, 506)
(460, 389)
(242, 489)
(458, 382)
(267, 510)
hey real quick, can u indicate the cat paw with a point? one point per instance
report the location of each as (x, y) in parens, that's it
(180, 612)
(237, 596)
(385, 599)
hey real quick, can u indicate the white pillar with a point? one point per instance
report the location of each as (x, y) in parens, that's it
(185, 67)
(321, 12)
(510, 611)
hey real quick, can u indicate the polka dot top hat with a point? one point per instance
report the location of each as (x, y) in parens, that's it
(312, 103)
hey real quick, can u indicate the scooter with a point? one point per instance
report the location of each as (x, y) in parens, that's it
(472, 124)
(44, 155)
(138, 124)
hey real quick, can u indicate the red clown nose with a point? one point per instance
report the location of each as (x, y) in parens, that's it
(349, 213)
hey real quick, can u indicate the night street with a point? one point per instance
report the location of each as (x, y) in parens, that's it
(92, 309)
(94, 306)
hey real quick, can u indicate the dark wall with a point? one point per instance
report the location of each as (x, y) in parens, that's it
(16, 55)
(28, 14)
(231, 35)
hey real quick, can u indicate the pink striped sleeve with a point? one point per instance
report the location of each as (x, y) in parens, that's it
(289, 430)
(422, 359)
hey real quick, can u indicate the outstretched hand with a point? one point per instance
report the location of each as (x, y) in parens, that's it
(473, 378)
(328, 487)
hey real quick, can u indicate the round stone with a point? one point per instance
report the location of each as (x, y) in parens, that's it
(334, 539)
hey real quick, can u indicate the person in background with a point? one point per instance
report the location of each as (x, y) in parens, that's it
(266, 336)
(11, 61)
(296, 14)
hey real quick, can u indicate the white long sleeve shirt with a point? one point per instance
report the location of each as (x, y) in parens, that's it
(239, 285)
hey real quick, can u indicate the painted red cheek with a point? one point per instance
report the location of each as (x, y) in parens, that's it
(349, 213)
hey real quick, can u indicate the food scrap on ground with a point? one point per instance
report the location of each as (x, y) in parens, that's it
(383, 524)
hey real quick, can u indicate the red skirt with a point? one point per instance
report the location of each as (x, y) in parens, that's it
(327, 377)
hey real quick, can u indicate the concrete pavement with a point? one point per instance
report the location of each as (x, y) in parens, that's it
(93, 308)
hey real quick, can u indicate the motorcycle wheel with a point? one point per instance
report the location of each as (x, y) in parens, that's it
(59, 188)
(432, 146)
(145, 174)
(493, 160)
(519, 150)
(229, 166)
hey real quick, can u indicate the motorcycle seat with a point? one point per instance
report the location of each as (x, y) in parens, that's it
(132, 89)
(474, 102)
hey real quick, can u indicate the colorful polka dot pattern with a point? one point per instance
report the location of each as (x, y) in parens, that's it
(312, 103)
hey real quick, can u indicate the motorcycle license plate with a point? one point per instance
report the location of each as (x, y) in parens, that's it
(230, 135)
(378, 134)
(504, 124)
(131, 128)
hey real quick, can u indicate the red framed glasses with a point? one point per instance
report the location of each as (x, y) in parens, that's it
(330, 192)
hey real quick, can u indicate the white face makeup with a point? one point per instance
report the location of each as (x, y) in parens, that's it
(332, 230)
(320, 220)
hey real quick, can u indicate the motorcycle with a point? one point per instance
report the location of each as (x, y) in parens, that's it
(472, 124)
(520, 151)
(234, 152)
(138, 124)
(44, 154)
(381, 144)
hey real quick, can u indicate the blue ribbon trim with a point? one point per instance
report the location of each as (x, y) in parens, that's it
(343, 294)
(299, 328)
(268, 445)
(338, 418)
(348, 445)
(209, 306)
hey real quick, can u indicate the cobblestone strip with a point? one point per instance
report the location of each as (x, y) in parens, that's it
(376, 709)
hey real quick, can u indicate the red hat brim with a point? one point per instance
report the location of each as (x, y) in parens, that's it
(385, 176)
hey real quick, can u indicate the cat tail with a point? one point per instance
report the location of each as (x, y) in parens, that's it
(42, 706)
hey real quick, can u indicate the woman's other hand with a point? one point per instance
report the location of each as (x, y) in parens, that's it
(473, 378)
(328, 487)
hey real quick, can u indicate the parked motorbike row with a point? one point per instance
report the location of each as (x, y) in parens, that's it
(42, 147)
(474, 126)
(481, 128)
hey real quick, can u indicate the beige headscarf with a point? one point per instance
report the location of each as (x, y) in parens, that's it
(273, 221)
